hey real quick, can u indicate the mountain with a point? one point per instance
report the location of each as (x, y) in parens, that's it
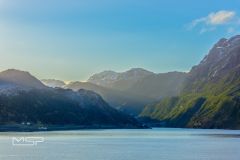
(104, 79)
(62, 107)
(53, 83)
(12, 77)
(160, 85)
(141, 82)
(210, 97)
(127, 102)
(119, 81)
(133, 89)
(33, 103)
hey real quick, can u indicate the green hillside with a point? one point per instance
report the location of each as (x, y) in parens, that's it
(211, 94)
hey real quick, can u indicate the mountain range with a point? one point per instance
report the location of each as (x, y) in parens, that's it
(210, 96)
(129, 91)
(26, 100)
(138, 81)
(119, 81)
(129, 103)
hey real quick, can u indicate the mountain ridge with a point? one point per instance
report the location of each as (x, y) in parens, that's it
(118, 80)
(28, 101)
(130, 91)
(210, 97)
(20, 78)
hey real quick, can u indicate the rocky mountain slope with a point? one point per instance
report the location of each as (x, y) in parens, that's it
(211, 92)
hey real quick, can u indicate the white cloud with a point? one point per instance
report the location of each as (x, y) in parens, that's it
(214, 19)
(220, 17)
(196, 22)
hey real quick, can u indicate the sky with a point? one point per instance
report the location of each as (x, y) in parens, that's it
(71, 40)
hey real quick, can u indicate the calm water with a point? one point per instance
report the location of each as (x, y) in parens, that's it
(155, 144)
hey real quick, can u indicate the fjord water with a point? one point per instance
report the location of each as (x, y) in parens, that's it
(148, 144)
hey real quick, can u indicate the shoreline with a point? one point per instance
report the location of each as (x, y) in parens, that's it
(21, 128)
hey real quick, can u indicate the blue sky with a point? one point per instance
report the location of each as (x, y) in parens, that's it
(71, 40)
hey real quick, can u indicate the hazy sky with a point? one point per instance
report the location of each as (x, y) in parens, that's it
(71, 40)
